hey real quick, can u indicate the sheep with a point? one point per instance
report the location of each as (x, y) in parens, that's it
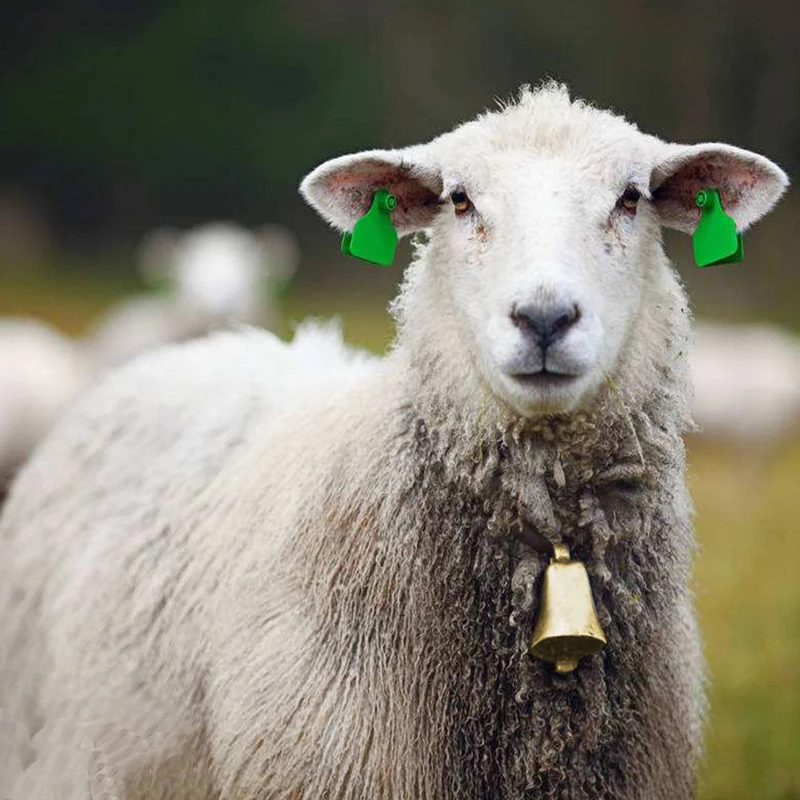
(213, 276)
(746, 381)
(325, 585)
(40, 372)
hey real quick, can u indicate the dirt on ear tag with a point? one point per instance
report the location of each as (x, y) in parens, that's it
(374, 238)
(715, 240)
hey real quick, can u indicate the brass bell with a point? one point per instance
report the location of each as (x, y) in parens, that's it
(567, 628)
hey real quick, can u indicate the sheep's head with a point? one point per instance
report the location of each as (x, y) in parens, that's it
(220, 271)
(543, 220)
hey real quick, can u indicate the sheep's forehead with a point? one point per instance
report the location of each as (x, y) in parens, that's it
(547, 124)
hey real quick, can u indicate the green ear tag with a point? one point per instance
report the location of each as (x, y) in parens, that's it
(715, 239)
(374, 238)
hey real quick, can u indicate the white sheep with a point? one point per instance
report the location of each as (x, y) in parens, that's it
(290, 582)
(746, 382)
(40, 372)
(212, 277)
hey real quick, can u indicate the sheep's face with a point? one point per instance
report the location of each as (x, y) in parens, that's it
(541, 261)
(544, 230)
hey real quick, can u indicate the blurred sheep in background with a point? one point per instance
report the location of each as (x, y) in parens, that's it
(212, 278)
(40, 372)
(746, 383)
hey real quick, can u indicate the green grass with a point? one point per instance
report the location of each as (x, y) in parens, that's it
(68, 297)
(747, 575)
(748, 597)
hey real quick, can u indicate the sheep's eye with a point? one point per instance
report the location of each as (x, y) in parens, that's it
(629, 199)
(461, 202)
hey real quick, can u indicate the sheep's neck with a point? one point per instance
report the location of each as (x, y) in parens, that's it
(538, 471)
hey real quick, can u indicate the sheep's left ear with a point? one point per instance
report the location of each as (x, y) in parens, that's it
(749, 184)
(341, 189)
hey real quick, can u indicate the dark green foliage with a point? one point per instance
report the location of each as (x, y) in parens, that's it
(118, 116)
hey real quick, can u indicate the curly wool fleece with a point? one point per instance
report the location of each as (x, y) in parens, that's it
(627, 722)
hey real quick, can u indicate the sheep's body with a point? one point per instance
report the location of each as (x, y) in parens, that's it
(321, 584)
(140, 324)
(40, 372)
(746, 383)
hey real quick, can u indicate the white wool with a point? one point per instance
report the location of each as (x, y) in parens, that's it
(746, 382)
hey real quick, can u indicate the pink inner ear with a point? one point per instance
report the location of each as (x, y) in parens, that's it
(732, 177)
(355, 187)
(738, 180)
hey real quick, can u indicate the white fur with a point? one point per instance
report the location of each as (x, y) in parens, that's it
(746, 383)
(214, 277)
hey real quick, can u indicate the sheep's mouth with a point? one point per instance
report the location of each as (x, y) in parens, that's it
(543, 379)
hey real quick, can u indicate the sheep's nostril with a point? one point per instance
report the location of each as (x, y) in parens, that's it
(566, 320)
(546, 323)
(519, 319)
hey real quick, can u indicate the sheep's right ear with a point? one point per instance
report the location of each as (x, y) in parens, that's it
(341, 189)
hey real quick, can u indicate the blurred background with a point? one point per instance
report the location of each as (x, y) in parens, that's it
(127, 124)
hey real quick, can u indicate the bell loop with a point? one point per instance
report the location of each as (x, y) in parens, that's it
(560, 553)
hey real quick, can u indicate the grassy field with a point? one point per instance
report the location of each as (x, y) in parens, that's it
(748, 596)
(748, 571)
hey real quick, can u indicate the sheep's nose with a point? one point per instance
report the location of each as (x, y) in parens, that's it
(547, 323)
